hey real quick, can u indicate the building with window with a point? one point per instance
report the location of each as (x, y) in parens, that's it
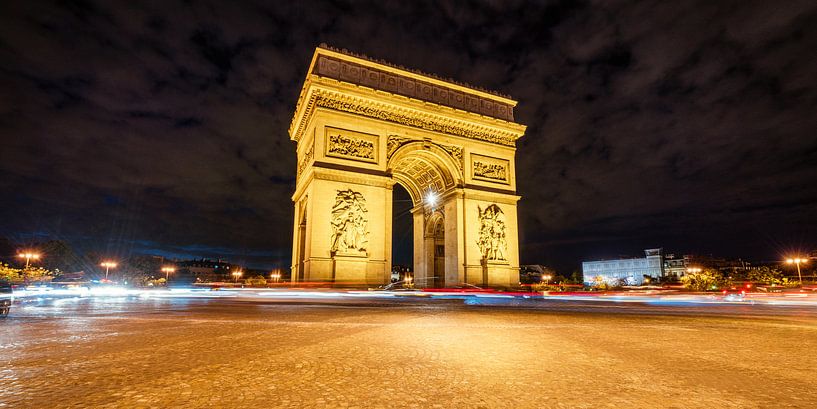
(205, 270)
(675, 267)
(630, 271)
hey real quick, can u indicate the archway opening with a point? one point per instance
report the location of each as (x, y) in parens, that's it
(428, 174)
(402, 245)
(439, 253)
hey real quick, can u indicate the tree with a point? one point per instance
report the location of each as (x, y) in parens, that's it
(38, 274)
(257, 280)
(11, 274)
(766, 275)
(21, 275)
(58, 255)
(577, 277)
(706, 279)
(602, 283)
(140, 269)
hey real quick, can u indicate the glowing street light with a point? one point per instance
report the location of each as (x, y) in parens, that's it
(547, 278)
(29, 256)
(237, 274)
(275, 276)
(108, 265)
(167, 271)
(797, 262)
(431, 198)
(694, 270)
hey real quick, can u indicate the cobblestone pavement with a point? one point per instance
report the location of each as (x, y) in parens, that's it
(227, 353)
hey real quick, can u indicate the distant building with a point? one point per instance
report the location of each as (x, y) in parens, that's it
(675, 267)
(631, 271)
(655, 264)
(206, 270)
(534, 273)
(726, 266)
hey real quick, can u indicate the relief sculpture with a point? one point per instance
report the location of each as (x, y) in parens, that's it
(306, 159)
(492, 241)
(349, 223)
(394, 142)
(490, 171)
(348, 146)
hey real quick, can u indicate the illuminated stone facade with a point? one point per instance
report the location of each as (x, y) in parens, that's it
(628, 271)
(361, 126)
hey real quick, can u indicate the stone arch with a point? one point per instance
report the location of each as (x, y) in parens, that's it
(435, 225)
(422, 167)
(360, 127)
(435, 239)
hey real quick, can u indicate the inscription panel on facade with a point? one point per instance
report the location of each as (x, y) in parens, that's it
(490, 169)
(345, 144)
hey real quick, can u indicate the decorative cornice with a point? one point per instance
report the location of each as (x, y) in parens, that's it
(415, 71)
(403, 116)
(329, 174)
(378, 77)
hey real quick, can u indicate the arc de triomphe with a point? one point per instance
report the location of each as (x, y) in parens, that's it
(361, 126)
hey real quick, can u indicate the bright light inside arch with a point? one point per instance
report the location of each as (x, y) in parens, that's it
(431, 198)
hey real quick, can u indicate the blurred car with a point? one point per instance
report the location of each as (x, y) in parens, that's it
(734, 293)
(403, 285)
(6, 297)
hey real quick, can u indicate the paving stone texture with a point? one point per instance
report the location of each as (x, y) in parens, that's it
(219, 353)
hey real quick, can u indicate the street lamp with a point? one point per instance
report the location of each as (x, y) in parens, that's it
(797, 262)
(547, 278)
(29, 256)
(167, 271)
(275, 276)
(237, 274)
(694, 270)
(108, 265)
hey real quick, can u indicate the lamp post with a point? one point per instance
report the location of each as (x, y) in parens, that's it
(108, 265)
(29, 256)
(694, 270)
(236, 275)
(547, 278)
(167, 271)
(275, 276)
(797, 262)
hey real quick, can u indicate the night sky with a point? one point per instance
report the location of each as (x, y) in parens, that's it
(161, 127)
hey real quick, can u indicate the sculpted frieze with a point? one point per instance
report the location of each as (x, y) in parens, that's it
(350, 224)
(393, 143)
(455, 152)
(408, 118)
(310, 153)
(492, 242)
(490, 169)
(351, 145)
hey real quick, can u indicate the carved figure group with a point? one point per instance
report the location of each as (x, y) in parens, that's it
(344, 145)
(490, 171)
(349, 223)
(491, 240)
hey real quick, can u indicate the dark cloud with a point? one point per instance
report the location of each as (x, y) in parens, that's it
(162, 126)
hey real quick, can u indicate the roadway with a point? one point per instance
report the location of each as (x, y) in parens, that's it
(296, 350)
